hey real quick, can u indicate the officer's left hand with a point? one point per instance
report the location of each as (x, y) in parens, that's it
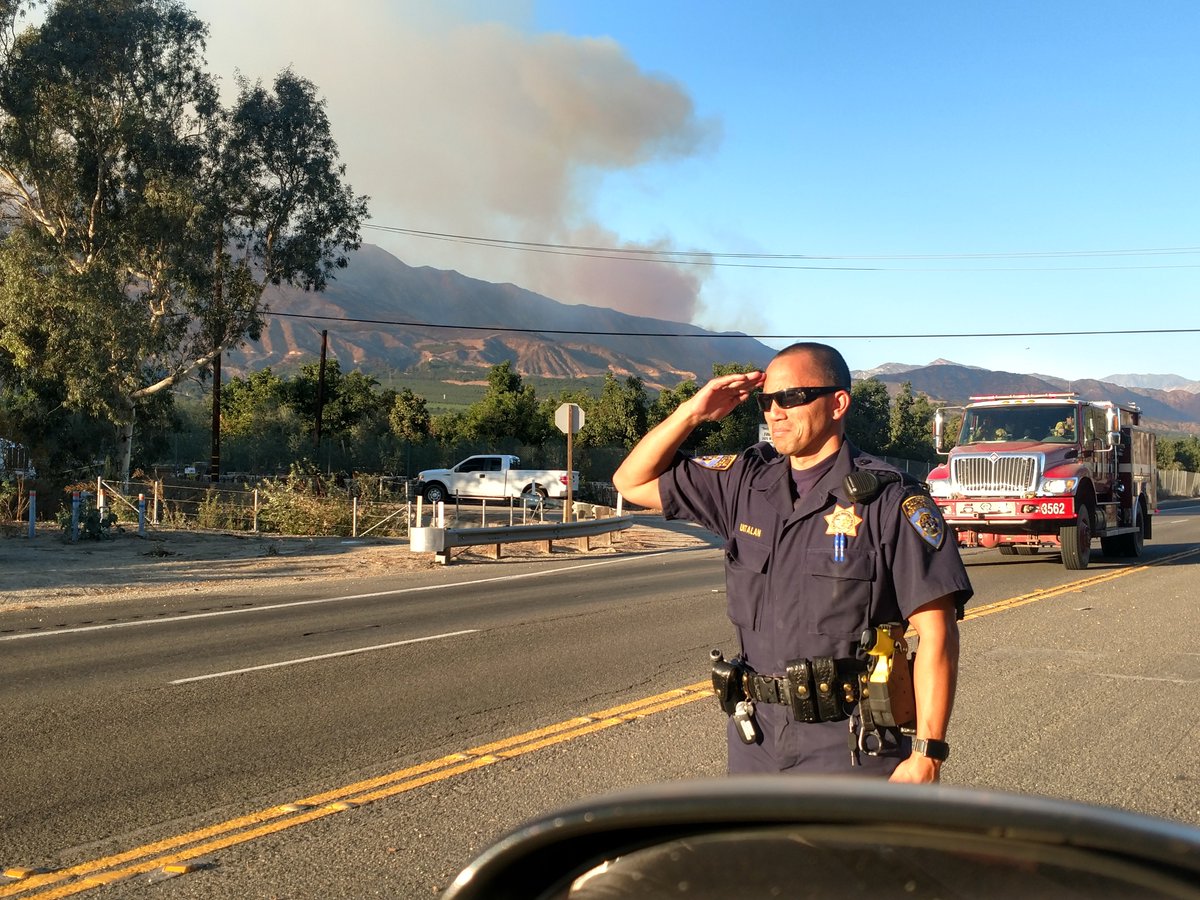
(917, 769)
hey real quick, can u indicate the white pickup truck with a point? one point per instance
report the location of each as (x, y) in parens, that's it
(494, 475)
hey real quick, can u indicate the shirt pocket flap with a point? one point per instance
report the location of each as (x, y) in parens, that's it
(858, 565)
(749, 555)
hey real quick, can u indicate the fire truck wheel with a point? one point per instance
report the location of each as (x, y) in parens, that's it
(1126, 544)
(1008, 550)
(1077, 540)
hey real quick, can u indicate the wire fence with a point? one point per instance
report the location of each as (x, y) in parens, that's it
(381, 506)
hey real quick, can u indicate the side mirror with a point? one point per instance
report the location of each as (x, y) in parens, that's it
(760, 836)
(939, 425)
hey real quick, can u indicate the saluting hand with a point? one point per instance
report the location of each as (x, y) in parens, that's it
(721, 396)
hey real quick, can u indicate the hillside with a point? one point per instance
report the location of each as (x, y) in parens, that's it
(434, 322)
(1173, 410)
(384, 316)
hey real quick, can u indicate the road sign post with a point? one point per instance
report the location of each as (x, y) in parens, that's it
(569, 419)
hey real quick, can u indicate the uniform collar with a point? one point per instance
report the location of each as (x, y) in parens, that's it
(774, 480)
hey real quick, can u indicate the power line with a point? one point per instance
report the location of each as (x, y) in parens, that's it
(712, 258)
(700, 333)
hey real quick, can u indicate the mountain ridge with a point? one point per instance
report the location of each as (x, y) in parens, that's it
(1173, 410)
(382, 314)
(385, 313)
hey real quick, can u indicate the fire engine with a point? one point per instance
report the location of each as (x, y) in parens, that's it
(1029, 471)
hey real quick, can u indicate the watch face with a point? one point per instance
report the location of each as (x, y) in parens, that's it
(934, 749)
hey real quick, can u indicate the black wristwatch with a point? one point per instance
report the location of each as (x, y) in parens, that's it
(932, 748)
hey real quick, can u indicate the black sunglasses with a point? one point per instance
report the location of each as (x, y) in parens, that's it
(797, 396)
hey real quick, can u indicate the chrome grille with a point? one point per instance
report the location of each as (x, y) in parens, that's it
(996, 474)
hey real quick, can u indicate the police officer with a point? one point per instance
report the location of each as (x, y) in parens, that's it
(810, 565)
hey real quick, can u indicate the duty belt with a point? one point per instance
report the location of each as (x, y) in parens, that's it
(821, 689)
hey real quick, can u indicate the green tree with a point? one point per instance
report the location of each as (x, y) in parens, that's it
(101, 108)
(1164, 454)
(1187, 453)
(450, 428)
(617, 418)
(911, 428)
(507, 411)
(869, 424)
(668, 399)
(248, 402)
(737, 430)
(146, 220)
(410, 425)
(354, 412)
(261, 426)
(409, 417)
(951, 427)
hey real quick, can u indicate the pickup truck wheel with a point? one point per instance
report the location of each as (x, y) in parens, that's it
(435, 493)
(533, 496)
(1076, 540)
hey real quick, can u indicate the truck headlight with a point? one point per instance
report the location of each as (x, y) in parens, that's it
(1058, 486)
(939, 488)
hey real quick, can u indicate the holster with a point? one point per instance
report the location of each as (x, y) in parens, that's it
(889, 703)
(727, 678)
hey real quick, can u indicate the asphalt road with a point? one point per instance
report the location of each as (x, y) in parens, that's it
(409, 724)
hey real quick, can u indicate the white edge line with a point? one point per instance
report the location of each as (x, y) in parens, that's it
(307, 659)
(273, 606)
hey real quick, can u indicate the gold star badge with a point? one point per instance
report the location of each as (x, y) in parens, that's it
(843, 520)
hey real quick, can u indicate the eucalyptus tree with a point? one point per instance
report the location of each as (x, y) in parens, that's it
(102, 108)
(144, 221)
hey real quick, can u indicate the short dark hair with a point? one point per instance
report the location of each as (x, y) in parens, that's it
(833, 366)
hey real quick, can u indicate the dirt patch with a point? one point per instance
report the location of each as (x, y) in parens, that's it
(46, 571)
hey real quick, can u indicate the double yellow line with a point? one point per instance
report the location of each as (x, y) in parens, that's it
(185, 852)
(1069, 588)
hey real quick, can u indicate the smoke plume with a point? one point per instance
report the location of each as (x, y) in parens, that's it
(461, 126)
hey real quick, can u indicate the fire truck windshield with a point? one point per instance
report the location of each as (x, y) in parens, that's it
(1031, 423)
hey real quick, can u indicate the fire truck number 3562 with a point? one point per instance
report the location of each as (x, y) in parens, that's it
(1052, 508)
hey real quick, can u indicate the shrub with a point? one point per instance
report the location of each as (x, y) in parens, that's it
(304, 503)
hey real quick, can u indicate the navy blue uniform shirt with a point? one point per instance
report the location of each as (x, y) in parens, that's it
(793, 592)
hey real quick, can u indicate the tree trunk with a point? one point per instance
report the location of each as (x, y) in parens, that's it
(214, 470)
(125, 447)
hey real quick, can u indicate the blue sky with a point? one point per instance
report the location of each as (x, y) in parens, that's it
(960, 167)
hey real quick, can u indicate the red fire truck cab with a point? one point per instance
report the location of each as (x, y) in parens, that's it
(1033, 470)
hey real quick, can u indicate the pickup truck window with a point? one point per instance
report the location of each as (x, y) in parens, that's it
(480, 464)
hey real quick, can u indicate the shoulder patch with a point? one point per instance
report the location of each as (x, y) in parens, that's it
(925, 518)
(720, 463)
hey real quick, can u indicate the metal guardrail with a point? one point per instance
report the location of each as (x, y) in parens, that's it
(442, 541)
